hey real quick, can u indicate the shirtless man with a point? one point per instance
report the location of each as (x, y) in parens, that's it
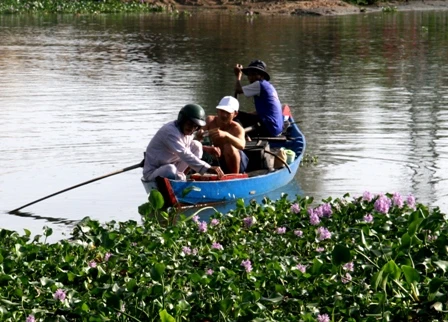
(227, 137)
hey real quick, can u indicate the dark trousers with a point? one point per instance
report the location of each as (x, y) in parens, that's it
(249, 119)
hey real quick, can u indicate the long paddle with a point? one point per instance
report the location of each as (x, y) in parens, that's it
(132, 167)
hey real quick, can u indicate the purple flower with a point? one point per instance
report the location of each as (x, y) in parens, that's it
(248, 221)
(326, 210)
(295, 208)
(92, 264)
(214, 222)
(349, 267)
(397, 200)
(281, 230)
(30, 318)
(314, 219)
(323, 318)
(410, 200)
(202, 227)
(368, 218)
(195, 251)
(367, 196)
(134, 244)
(186, 250)
(247, 265)
(318, 211)
(298, 233)
(320, 249)
(382, 204)
(301, 268)
(346, 279)
(195, 218)
(59, 295)
(107, 256)
(217, 246)
(209, 271)
(323, 233)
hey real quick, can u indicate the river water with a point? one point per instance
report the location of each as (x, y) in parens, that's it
(81, 96)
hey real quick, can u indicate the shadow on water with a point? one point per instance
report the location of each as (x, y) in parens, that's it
(292, 189)
(53, 220)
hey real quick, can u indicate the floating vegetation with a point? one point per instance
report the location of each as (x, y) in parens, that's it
(369, 258)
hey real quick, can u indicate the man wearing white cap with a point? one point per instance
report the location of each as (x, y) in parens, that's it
(227, 137)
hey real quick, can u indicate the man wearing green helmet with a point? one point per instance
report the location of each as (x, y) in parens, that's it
(172, 149)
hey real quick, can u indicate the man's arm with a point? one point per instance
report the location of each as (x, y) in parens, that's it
(238, 70)
(237, 139)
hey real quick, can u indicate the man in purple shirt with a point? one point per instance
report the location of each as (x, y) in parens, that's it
(267, 105)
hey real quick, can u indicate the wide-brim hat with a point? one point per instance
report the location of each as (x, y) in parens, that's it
(258, 66)
(229, 104)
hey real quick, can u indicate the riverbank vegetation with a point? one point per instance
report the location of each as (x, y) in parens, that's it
(368, 258)
(78, 6)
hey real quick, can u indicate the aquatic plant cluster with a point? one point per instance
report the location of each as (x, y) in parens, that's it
(368, 258)
(77, 6)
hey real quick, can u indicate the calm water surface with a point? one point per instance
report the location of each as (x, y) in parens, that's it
(81, 96)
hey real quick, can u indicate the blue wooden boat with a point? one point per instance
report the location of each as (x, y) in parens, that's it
(254, 183)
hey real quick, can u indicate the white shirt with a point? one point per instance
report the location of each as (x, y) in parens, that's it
(252, 89)
(170, 146)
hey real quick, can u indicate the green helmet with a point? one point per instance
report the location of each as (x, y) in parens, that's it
(192, 112)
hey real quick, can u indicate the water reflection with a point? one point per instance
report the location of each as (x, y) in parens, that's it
(81, 96)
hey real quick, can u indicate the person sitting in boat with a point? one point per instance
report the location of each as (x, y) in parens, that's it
(227, 137)
(173, 150)
(267, 104)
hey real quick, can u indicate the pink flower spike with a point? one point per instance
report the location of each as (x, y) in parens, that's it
(92, 264)
(217, 246)
(323, 318)
(247, 265)
(301, 268)
(281, 230)
(298, 233)
(209, 271)
(30, 318)
(295, 208)
(59, 295)
(107, 256)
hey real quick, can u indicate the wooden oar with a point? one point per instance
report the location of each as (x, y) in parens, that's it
(132, 167)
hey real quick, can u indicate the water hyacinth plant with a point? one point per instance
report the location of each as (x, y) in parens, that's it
(263, 262)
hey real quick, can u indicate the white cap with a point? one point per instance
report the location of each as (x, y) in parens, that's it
(229, 104)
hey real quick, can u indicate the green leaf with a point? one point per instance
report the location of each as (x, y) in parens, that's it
(166, 317)
(340, 255)
(317, 264)
(411, 274)
(225, 305)
(438, 306)
(392, 269)
(27, 232)
(406, 240)
(363, 240)
(435, 284)
(156, 199)
(275, 298)
(183, 306)
(413, 226)
(377, 279)
(186, 191)
(442, 264)
(157, 271)
(85, 307)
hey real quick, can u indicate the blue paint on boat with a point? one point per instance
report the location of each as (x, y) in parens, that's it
(201, 192)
